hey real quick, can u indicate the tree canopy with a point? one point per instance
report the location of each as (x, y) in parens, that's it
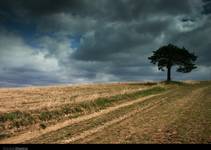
(171, 55)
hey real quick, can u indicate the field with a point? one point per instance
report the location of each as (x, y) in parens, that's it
(177, 112)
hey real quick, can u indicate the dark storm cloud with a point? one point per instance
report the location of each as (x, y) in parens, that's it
(197, 41)
(101, 9)
(114, 39)
(207, 6)
(107, 41)
(39, 7)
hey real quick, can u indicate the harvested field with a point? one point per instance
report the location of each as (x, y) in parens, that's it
(107, 113)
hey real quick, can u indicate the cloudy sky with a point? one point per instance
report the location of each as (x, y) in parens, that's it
(46, 42)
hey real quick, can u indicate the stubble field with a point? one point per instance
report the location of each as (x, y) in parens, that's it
(107, 113)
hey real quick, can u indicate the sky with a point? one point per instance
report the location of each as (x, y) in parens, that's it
(44, 42)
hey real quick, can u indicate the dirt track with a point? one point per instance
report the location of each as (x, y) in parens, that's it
(128, 128)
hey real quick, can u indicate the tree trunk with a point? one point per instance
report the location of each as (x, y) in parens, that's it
(169, 73)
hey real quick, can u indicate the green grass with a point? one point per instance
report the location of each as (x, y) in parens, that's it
(17, 118)
(131, 96)
(46, 115)
(11, 116)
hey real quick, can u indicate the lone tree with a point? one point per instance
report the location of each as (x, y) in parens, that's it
(171, 55)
